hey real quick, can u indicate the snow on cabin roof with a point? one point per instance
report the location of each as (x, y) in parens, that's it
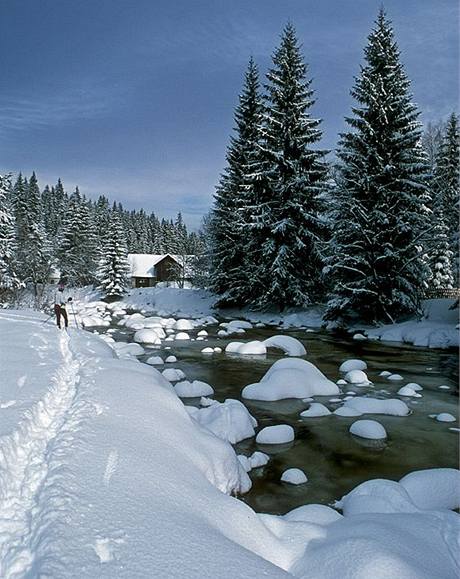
(143, 264)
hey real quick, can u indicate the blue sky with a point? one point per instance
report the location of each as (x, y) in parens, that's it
(134, 99)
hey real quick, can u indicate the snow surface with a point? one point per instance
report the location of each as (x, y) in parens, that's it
(438, 328)
(104, 480)
(291, 378)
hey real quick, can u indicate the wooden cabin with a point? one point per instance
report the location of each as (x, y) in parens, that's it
(148, 269)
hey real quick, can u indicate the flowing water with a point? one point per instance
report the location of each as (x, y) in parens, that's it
(333, 460)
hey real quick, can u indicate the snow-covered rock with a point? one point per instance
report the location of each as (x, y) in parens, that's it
(123, 348)
(414, 386)
(155, 361)
(249, 348)
(183, 324)
(315, 409)
(173, 374)
(434, 488)
(258, 459)
(202, 333)
(217, 350)
(294, 476)
(195, 389)
(365, 405)
(170, 359)
(370, 429)
(147, 337)
(346, 411)
(207, 351)
(289, 345)
(182, 336)
(359, 337)
(291, 378)
(357, 377)
(238, 325)
(278, 434)
(395, 377)
(445, 417)
(229, 420)
(408, 391)
(352, 364)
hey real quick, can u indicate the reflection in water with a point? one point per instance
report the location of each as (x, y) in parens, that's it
(333, 460)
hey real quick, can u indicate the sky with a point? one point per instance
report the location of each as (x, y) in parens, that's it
(135, 99)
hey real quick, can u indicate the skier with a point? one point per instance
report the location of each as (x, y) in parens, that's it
(60, 302)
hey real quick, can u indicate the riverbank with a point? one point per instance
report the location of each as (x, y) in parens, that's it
(106, 475)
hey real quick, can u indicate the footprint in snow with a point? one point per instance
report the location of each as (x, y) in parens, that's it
(111, 466)
(105, 548)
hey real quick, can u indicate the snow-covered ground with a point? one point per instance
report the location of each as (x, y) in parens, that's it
(438, 327)
(105, 474)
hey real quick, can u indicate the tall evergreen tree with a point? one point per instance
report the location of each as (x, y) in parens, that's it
(234, 199)
(446, 183)
(376, 258)
(9, 280)
(293, 170)
(439, 254)
(34, 251)
(113, 271)
(78, 245)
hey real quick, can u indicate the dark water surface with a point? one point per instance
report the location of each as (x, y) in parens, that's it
(333, 460)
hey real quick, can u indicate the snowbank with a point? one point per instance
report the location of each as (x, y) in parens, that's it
(291, 378)
(186, 303)
(438, 328)
(95, 473)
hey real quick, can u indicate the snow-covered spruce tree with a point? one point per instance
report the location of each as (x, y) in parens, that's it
(113, 271)
(439, 254)
(376, 255)
(446, 183)
(9, 280)
(78, 250)
(33, 257)
(288, 218)
(231, 266)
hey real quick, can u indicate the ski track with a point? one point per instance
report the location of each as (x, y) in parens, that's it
(30, 493)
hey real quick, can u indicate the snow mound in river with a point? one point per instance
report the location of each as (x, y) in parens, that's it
(291, 378)
(392, 406)
(289, 345)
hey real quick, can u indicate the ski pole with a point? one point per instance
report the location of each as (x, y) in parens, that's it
(49, 318)
(75, 317)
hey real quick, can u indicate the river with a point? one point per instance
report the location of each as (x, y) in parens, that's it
(333, 460)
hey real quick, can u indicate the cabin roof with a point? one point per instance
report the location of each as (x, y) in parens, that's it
(143, 264)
